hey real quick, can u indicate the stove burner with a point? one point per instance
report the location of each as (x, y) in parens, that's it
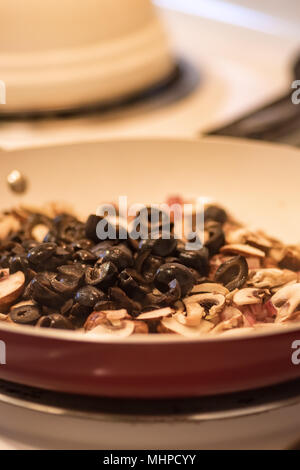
(190, 409)
(182, 81)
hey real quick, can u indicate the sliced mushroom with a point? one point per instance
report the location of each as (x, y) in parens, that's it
(245, 250)
(10, 289)
(271, 277)
(276, 253)
(287, 302)
(232, 318)
(211, 287)
(126, 329)
(112, 317)
(229, 297)
(8, 224)
(171, 324)
(249, 296)
(193, 317)
(211, 303)
(115, 317)
(244, 236)
(93, 320)
(273, 290)
(156, 314)
(39, 232)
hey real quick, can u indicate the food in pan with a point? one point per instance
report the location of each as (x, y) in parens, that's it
(56, 273)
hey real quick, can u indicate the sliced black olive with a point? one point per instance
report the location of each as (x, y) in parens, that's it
(42, 292)
(140, 259)
(91, 227)
(215, 213)
(120, 255)
(197, 259)
(216, 238)
(106, 305)
(85, 256)
(84, 244)
(62, 220)
(159, 246)
(150, 267)
(110, 231)
(170, 271)
(17, 249)
(71, 230)
(41, 253)
(55, 320)
(60, 257)
(25, 315)
(72, 270)
(168, 298)
(67, 306)
(78, 314)
(101, 248)
(28, 244)
(88, 296)
(64, 285)
(63, 253)
(290, 261)
(104, 274)
(51, 237)
(151, 220)
(18, 263)
(119, 296)
(233, 273)
(133, 284)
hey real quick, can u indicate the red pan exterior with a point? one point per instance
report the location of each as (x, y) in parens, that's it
(146, 370)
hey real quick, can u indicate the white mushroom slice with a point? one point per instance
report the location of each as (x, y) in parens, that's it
(172, 324)
(244, 236)
(193, 317)
(125, 330)
(277, 253)
(115, 317)
(211, 287)
(249, 296)
(8, 224)
(156, 314)
(11, 288)
(287, 302)
(39, 232)
(271, 277)
(215, 302)
(245, 250)
(273, 290)
(230, 296)
(233, 318)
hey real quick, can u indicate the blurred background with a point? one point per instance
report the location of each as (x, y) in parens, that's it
(110, 69)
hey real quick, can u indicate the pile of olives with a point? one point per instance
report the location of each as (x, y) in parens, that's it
(72, 273)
